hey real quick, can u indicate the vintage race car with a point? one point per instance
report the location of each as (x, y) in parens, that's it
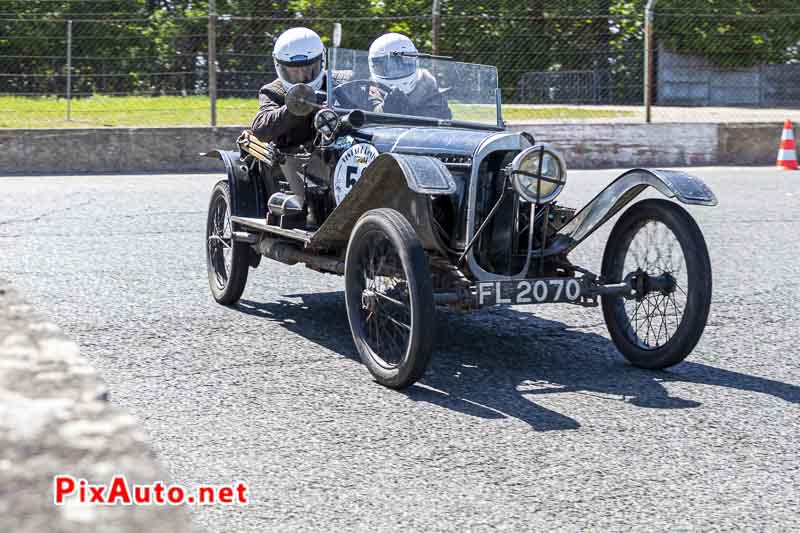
(422, 211)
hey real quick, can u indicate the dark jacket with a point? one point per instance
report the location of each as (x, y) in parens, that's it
(274, 123)
(424, 101)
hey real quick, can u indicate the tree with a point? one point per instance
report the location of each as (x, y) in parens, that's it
(33, 45)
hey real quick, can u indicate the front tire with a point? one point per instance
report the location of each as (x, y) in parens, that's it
(227, 261)
(389, 296)
(660, 328)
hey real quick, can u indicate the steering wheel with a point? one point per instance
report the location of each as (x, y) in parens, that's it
(345, 97)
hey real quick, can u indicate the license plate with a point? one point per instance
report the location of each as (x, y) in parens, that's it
(529, 291)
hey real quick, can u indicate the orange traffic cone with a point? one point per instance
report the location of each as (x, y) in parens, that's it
(787, 154)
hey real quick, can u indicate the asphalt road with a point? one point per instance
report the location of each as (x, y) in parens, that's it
(527, 420)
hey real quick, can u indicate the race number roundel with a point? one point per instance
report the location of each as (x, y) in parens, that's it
(349, 168)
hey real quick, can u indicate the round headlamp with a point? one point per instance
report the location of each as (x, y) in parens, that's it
(538, 174)
(326, 121)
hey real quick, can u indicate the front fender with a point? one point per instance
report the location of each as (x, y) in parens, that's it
(247, 199)
(672, 184)
(399, 181)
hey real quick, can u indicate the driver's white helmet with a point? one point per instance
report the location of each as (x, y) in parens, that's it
(299, 58)
(388, 65)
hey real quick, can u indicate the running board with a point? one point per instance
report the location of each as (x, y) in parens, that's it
(259, 224)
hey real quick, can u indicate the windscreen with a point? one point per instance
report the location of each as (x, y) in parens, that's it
(416, 86)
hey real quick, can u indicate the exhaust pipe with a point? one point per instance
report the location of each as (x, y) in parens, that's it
(291, 254)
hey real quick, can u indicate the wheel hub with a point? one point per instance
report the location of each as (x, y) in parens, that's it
(665, 283)
(642, 284)
(369, 300)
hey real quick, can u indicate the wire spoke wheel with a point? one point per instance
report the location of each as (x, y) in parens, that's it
(220, 245)
(385, 302)
(655, 317)
(661, 246)
(226, 260)
(389, 298)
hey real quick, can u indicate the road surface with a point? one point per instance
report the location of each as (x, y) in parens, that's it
(527, 420)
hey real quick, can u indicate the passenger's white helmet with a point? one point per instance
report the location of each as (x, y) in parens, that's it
(388, 66)
(299, 58)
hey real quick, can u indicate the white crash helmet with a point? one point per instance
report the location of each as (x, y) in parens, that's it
(299, 58)
(389, 67)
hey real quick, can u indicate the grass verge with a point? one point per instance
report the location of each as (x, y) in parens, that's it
(143, 111)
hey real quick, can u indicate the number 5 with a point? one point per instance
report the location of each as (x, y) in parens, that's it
(349, 180)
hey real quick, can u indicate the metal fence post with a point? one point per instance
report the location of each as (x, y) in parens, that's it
(212, 59)
(436, 15)
(648, 59)
(69, 70)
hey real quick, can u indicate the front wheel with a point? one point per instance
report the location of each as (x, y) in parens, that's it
(389, 298)
(657, 240)
(227, 261)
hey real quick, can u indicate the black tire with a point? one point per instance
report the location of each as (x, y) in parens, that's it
(227, 284)
(392, 321)
(647, 220)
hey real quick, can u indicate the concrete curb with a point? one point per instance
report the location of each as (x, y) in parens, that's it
(587, 146)
(55, 418)
(131, 150)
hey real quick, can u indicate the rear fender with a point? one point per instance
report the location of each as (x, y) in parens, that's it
(399, 181)
(683, 187)
(247, 198)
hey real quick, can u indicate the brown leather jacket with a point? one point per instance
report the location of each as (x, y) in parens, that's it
(274, 123)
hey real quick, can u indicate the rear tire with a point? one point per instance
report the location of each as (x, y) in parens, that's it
(659, 330)
(389, 296)
(227, 261)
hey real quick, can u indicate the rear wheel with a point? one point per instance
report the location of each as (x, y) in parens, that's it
(227, 261)
(389, 298)
(657, 240)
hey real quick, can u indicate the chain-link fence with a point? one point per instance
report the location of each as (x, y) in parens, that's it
(714, 59)
(73, 63)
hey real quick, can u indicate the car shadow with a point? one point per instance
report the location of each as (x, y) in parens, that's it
(501, 362)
